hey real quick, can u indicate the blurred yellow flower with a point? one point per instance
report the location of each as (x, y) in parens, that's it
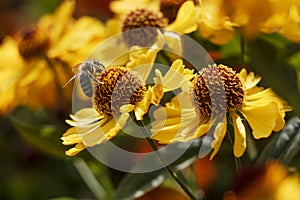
(214, 23)
(185, 21)
(241, 99)
(269, 182)
(38, 61)
(218, 19)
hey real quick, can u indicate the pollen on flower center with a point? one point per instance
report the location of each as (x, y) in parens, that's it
(170, 8)
(136, 27)
(208, 93)
(32, 42)
(117, 86)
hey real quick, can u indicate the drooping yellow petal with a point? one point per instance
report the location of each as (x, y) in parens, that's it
(239, 145)
(186, 20)
(202, 130)
(75, 150)
(262, 97)
(177, 122)
(262, 119)
(219, 134)
(111, 130)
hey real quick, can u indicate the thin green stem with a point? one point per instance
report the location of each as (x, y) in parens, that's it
(242, 46)
(170, 170)
(230, 130)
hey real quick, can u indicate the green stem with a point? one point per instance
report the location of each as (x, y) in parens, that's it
(242, 46)
(170, 170)
(237, 161)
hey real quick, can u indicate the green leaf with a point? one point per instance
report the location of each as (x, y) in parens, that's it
(284, 145)
(135, 185)
(43, 135)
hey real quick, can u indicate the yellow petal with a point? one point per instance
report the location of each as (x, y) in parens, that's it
(219, 134)
(142, 107)
(55, 24)
(78, 40)
(173, 41)
(175, 77)
(114, 128)
(186, 20)
(141, 59)
(239, 146)
(262, 119)
(177, 122)
(202, 130)
(75, 150)
(249, 80)
(11, 69)
(107, 53)
(71, 136)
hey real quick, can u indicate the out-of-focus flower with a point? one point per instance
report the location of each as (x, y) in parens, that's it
(285, 20)
(205, 172)
(270, 182)
(123, 7)
(241, 99)
(143, 17)
(244, 13)
(219, 20)
(39, 59)
(163, 193)
(214, 23)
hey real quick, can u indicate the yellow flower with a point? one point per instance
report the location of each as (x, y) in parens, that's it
(214, 23)
(120, 90)
(271, 181)
(122, 7)
(215, 91)
(144, 16)
(38, 61)
(285, 20)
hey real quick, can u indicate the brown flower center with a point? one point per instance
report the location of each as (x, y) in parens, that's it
(137, 27)
(217, 89)
(117, 86)
(32, 43)
(170, 8)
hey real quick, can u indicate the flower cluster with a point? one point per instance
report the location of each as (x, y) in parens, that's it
(217, 99)
(179, 71)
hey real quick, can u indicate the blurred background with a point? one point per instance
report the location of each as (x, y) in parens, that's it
(35, 169)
